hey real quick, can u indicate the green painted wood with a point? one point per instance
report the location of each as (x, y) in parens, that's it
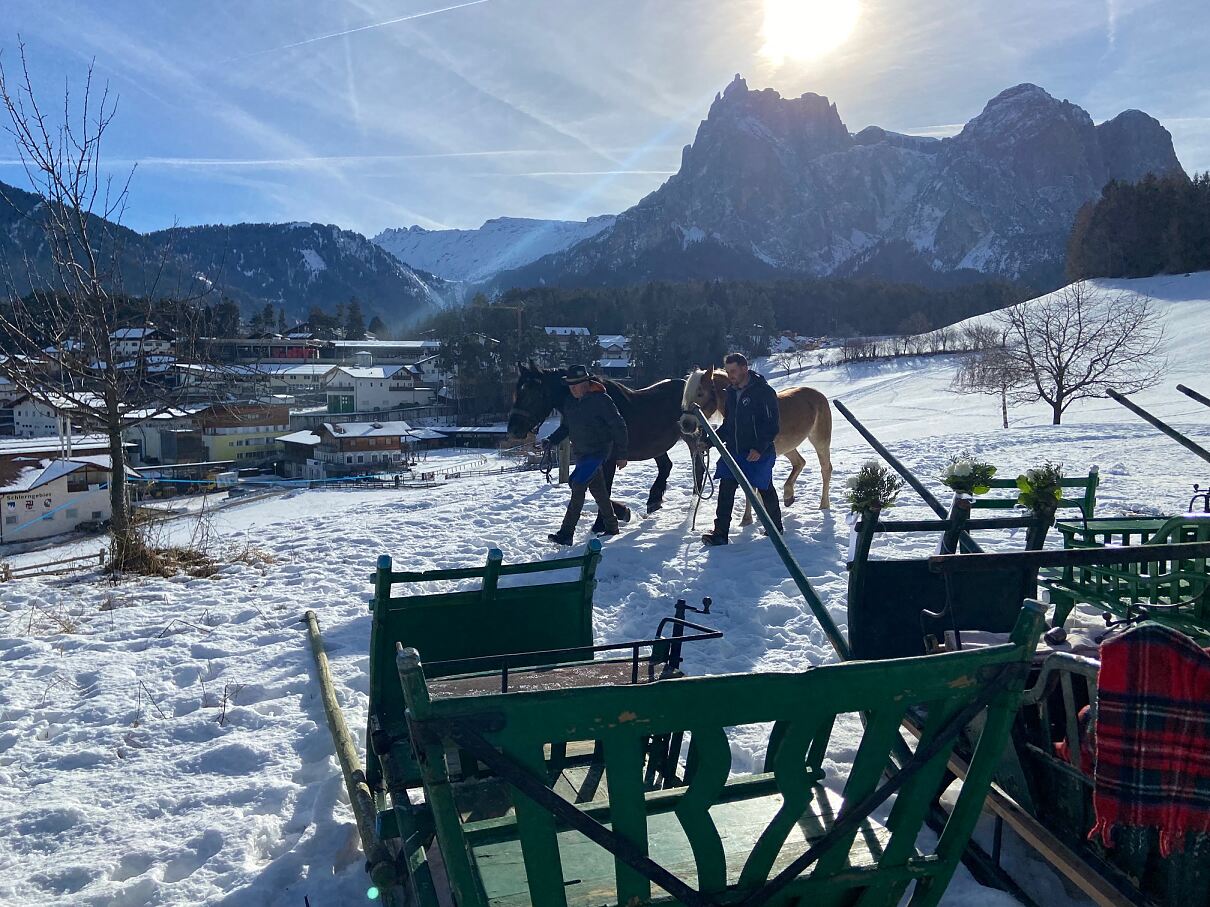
(713, 758)
(628, 813)
(667, 823)
(1084, 500)
(797, 785)
(536, 830)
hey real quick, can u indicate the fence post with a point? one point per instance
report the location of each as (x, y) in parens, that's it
(564, 462)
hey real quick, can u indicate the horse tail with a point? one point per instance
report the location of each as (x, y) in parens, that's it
(822, 429)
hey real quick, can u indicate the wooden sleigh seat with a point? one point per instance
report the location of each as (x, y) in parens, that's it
(788, 834)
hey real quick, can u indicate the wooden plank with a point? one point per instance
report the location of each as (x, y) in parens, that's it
(1066, 861)
(1067, 557)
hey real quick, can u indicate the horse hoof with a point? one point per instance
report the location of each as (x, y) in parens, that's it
(652, 508)
(622, 512)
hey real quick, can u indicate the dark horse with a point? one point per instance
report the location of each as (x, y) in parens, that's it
(651, 415)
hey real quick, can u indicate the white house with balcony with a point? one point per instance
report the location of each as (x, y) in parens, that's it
(45, 497)
(138, 342)
(376, 388)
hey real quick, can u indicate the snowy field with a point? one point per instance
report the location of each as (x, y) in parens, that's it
(161, 741)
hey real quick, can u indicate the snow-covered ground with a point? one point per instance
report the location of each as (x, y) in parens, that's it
(125, 781)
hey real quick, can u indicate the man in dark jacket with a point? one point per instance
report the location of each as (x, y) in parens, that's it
(749, 427)
(598, 433)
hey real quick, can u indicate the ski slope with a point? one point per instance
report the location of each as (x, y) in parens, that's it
(119, 784)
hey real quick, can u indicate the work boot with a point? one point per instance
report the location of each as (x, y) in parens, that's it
(712, 539)
(562, 538)
(608, 530)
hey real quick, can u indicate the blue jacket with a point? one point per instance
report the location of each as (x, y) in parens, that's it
(752, 420)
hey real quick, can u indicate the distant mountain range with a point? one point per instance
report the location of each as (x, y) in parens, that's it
(776, 186)
(294, 266)
(501, 244)
(770, 187)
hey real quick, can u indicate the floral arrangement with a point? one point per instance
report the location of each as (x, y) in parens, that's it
(1040, 488)
(874, 487)
(966, 475)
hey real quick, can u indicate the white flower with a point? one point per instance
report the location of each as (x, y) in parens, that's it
(963, 468)
(1032, 476)
(872, 465)
(851, 482)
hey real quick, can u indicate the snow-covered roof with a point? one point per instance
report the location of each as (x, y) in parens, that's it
(365, 345)
(426, 434)
(367, 429)
(300, 437)
(613, 363)
(568, 332)
(309, 368)
(621, 341)
(30, 477)
(371, 372)
(137, 333)
(11, 447)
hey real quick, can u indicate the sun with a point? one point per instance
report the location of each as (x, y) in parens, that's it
(806, 29)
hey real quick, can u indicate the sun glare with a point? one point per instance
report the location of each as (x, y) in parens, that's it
(806, 29)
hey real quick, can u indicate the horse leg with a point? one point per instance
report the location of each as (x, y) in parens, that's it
(655, 498)
(747, 517)
(797, 465)
(822, 450)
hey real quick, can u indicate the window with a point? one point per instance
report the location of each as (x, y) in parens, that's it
(10, 520)
(72, 513)
(49, 516)
(96, 514)
(361, 458)
(348, 458)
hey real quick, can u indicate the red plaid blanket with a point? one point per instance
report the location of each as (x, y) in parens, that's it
(1153, 736)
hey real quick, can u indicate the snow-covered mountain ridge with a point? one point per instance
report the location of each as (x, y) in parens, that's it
(501, 244)
(775, 185)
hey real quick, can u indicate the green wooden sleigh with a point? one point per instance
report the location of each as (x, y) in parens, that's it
(787, 833)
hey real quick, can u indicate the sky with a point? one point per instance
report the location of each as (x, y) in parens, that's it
(445, 113)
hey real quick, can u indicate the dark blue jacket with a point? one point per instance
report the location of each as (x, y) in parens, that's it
(752, 420)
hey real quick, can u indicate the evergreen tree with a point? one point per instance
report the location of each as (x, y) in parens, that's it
(354, 323)
(377, 328)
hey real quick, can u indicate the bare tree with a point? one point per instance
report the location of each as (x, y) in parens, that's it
(58, 320)
(991, 370)
(1080, 341)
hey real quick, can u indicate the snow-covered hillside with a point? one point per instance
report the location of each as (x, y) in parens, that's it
(501, 244)
(120, 786)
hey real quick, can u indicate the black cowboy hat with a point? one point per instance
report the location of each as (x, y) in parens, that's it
(577, 374)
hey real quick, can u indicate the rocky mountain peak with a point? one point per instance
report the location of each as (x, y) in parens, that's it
(1135, 144)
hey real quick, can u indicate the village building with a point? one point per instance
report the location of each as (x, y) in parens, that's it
(138, 342)
(353, 448)
(566, 336)
(45, 497)
(243, 432)
(376, 388)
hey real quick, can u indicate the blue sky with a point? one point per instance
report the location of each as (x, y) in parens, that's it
(372, 113)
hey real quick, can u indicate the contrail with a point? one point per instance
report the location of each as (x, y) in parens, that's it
(350, 31)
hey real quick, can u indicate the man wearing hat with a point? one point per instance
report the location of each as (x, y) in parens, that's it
(598, 433)
(749, 428)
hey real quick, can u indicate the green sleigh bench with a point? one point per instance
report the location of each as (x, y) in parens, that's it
(1171, 591)
(779, 836)
(1084, 499)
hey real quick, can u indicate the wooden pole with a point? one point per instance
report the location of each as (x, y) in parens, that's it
(1193, 395)
(968, 544)
(1162, 426)
(835, 637)
(361, 798)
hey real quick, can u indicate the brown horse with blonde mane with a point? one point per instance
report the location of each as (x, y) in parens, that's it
(804, 415)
